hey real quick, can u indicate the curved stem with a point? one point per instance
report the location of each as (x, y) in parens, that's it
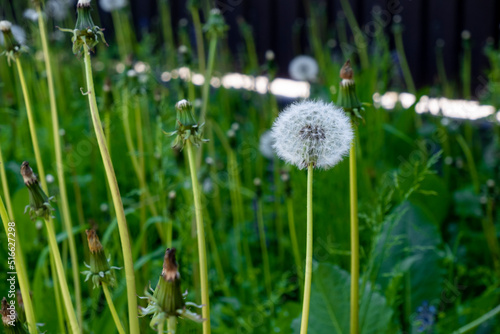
(115, 193)
(309, 252)
(112, 308)
(60, 275)
(60, 167)
(32, 126)
(398, 40)
(360, 40)
(201, 239)
(353, 187)
(478, 321)
(22, 274)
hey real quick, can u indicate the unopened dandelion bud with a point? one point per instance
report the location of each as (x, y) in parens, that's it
(187, 127)
(216, 25)
(167, 300)
(10, 320)
(12, 45)
(85, 32)
(347, 98)
(39, 203)
(99, 269)
(258, 187)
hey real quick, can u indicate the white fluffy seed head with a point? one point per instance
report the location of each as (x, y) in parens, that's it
(266, 143)
(5, 25)
(111, 5)
(312, 132)
(303, 68)
(83, 3)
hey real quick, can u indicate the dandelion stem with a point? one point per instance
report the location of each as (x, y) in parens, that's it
(59, 165)
(478, 321)
(32, 126)
(208, 76)
(115, 193)
(160, 326)
(172, 325)
(22, 274)
(112, 308)
(293, 235)
(359, 39)
(263, 246)
(398, 40)
(353, 187)
(309, 252)
(60, 275)
(201, 239)
(200, 45)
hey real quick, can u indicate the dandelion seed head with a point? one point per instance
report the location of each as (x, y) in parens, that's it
(58, 9)
(111, 5)
(303, 68)
(5, 25)
(49, 178)
(17, 31)
(30, 14)
(83, 3)
(269, 55)
(312, 132)
(266, 143)
(466, 34)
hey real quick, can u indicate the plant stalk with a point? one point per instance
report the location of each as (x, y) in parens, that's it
(208, 76)
(309, 252)
(353, 187)
(112, 308)
(115, 193)
(263, 247)
(201, 239)
(60, 167)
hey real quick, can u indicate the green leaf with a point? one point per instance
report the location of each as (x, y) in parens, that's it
(330, 305)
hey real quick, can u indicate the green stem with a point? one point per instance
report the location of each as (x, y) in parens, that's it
(112, 308)
(200, 45)
(160, 326)
(60, 167)
(360, 41)
(309, 253)
(293, 235)
(263, 247)
(478, 321)
(62, 278)
(32, 126)
(22, 274)
(398, 39)
(201, 239)
(172, 325)
(208, 76)
(115, 193)
(353, 187)
(470, 162)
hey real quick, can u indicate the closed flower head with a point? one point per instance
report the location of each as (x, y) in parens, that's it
(187, 127)
(347, 98)
(312, 132)
(12, 38)
(99, 269)
(39, 203)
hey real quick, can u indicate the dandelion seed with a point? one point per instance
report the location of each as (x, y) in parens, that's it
(303, 68)
(111, 5)
(312, 132)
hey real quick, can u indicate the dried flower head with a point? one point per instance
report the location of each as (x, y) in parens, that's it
(39, 203)
(167, 300)
(312, 132)
(85, 32)
(112, 5)
(12, 38)
(347, 98)
(99, 269)
(187, 127)
(11, 323)
(303, 68)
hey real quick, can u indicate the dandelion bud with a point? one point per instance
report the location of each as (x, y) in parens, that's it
(39, 204)
(348, 99)
(312, 132)
(85, 32)
(258, 187)
(11, 43)
(99, 269)
(187, 127)
(167, 300)
(216, 25)
(11, 323)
